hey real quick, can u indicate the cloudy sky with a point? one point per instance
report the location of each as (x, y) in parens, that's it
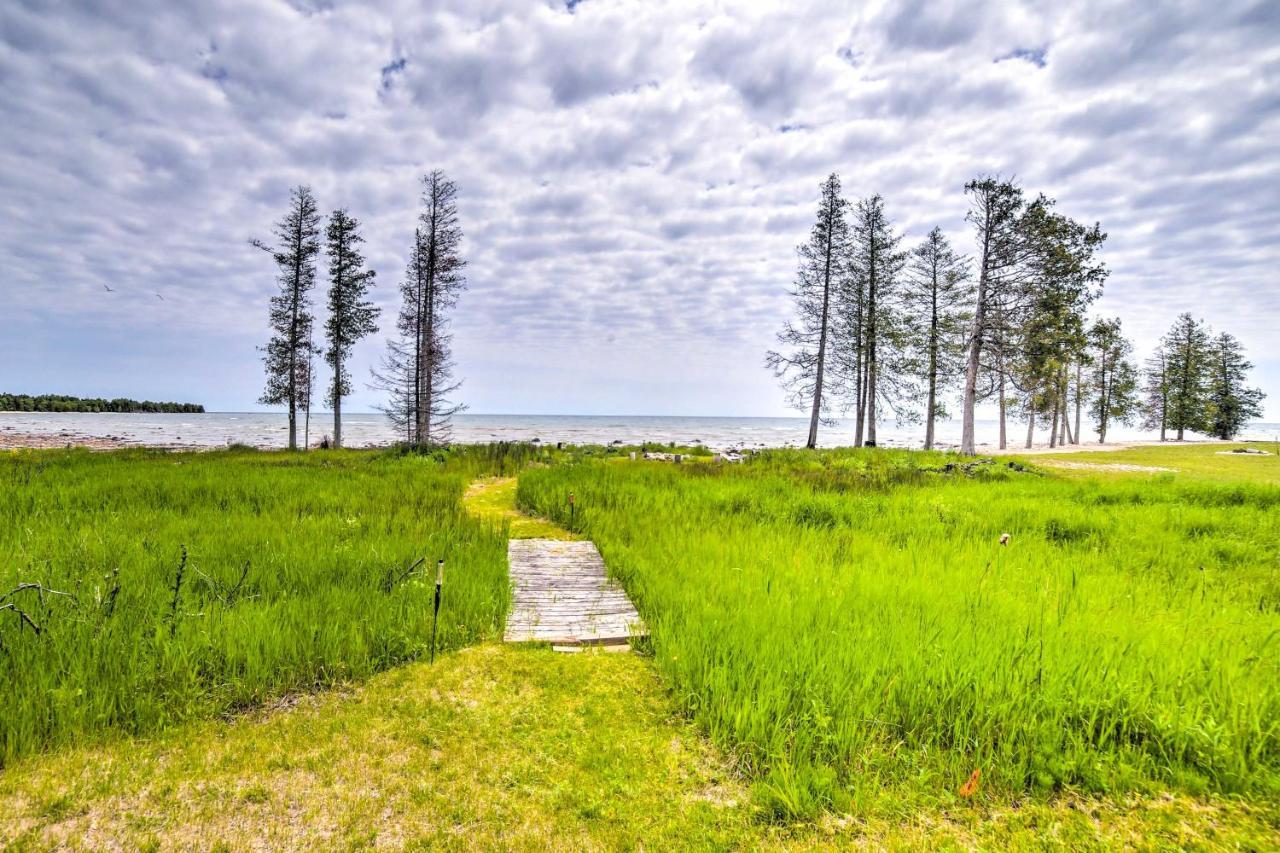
(633, 176)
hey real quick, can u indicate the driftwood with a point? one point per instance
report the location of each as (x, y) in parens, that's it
(8, 603)
(391, 580)
(226, 593)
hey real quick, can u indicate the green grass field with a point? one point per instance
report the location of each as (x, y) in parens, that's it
(849, 624)
(839, 641)
(1198, 461)
(295, 577)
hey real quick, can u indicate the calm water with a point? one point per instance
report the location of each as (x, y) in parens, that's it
(217, 429)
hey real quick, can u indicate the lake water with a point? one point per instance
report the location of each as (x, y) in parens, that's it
(270, 429)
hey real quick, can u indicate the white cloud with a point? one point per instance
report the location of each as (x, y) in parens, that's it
(634, 175)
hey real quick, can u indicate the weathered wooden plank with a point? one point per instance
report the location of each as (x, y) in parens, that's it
(563, 595)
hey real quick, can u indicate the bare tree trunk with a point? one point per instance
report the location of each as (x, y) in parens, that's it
(872, 331)
(337, 383)
(1079, 394)
(1104, 397)
(425, 436)
(1031, 425)
(971, 364)
(414, 416)
(337, 421)
(859, 387)
(816, 414)
(1053, 428)
(1004, 442)
(294, 342)
(871, 404)
(933, 374)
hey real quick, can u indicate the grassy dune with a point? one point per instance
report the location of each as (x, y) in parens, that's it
(848, 623)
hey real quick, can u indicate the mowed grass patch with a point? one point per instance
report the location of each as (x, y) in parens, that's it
(493, 499)
(299, 573)
(512, 748)
(849, 625)
(492, 747)
(1199, 461)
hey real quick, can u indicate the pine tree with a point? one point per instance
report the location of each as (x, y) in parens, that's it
(883, 366)
(1114, 379)
(1186, 347)
(823, 263)
(1230, 403)
(417, 370)
(1155, 393)
(995, 212)
(937, 294)
(288, 350)
(1064, 277)
(351, 315)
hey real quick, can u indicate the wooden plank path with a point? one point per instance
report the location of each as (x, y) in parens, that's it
(564, 596)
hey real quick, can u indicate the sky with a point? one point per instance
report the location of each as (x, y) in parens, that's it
(633, 176)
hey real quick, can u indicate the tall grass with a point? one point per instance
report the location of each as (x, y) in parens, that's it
(296, 575)
(848, 622)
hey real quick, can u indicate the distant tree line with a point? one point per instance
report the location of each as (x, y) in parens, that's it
(418, 368)
(1196, 381)
(881, 328)
(63, 403)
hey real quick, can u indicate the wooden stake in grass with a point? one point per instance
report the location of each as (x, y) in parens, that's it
(435, 616)
(571, 508)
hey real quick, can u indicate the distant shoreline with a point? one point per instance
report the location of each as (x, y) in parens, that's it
(270, 430)
(12, 439)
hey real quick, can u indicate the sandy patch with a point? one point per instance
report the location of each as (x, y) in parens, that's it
(1087, 447)
(1109, 466)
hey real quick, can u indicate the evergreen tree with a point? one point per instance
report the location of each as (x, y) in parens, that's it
(288, 350)
(1186, 348)
(1155, 393)
(875, 267)
(823, 263)
(995, 212)
(1230, 403)
(417, 370)
(351, 315)
(1065, 276)
(937, 294)
(1115, 380)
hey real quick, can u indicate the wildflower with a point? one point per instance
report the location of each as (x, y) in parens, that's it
(969, 788)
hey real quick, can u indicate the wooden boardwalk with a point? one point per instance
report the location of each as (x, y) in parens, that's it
(563, 596)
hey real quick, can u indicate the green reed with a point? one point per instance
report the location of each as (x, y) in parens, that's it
(850, 625)
(295, 577)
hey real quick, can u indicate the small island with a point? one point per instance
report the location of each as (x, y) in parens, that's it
(64, 403)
